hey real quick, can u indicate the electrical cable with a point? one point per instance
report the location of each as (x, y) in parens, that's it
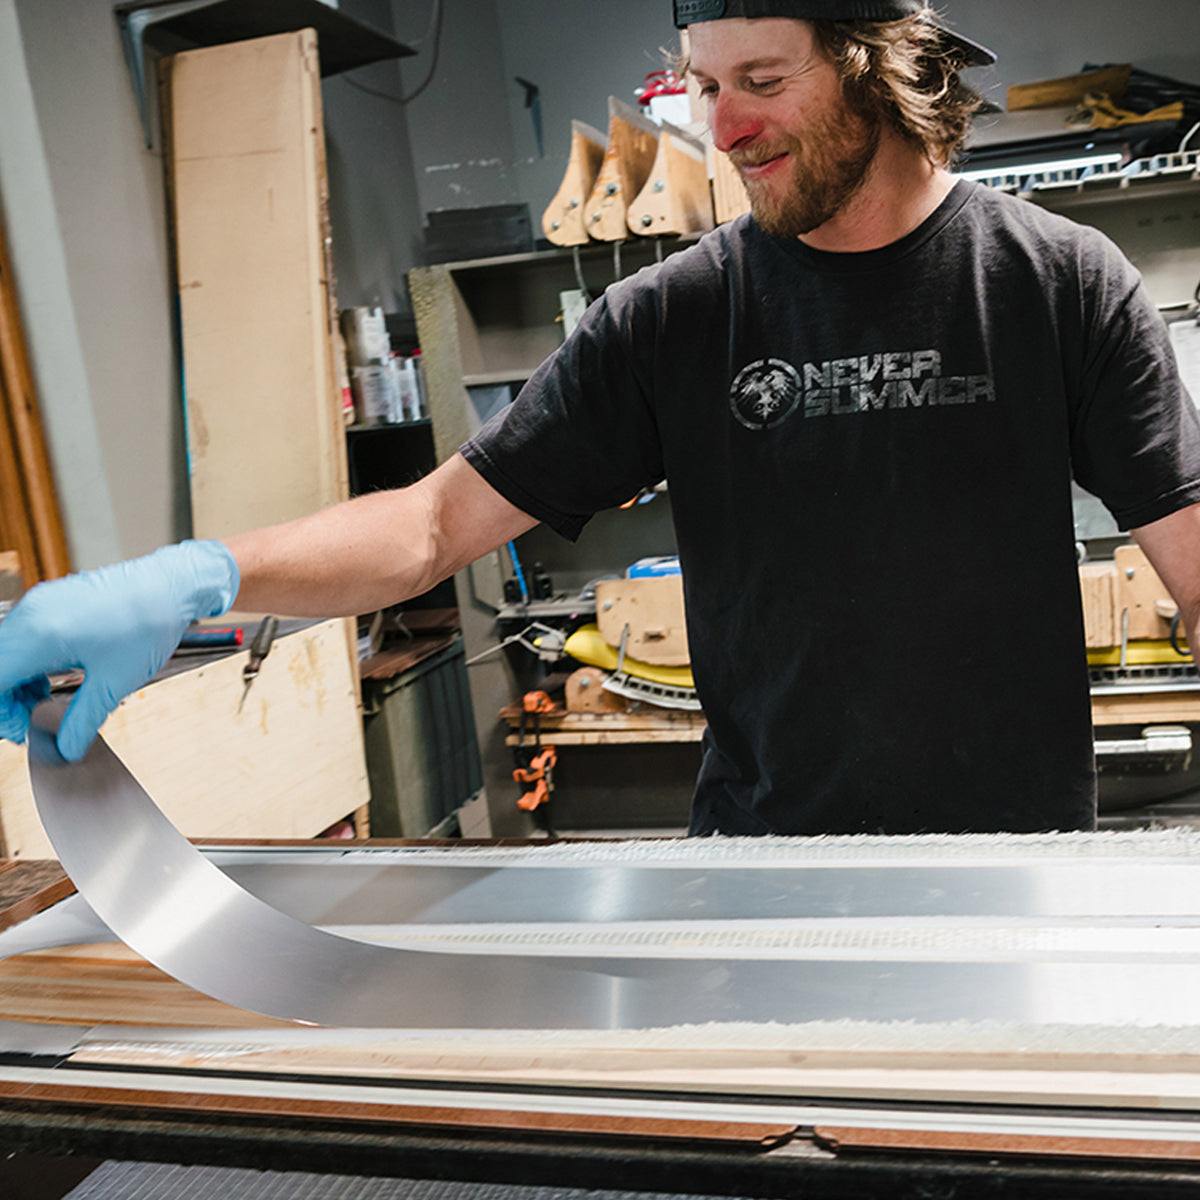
(583, 287)
(1176, 621)
(434, 31)
(516, 562)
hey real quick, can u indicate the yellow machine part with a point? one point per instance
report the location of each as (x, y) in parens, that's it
(1138, 654)
(589, 647)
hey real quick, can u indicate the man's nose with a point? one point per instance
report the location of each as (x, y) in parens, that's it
(732, 121)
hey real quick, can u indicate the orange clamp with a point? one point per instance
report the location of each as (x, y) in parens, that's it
(540, 773)
(537, 702)
(539, 796)
(539, 768)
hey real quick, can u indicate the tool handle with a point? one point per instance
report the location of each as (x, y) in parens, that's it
(261, 646)
(198, 638)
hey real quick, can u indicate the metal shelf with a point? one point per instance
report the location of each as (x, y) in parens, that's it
(168, 26)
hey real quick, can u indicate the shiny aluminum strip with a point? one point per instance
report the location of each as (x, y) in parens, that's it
(179, 911)
(414, 893)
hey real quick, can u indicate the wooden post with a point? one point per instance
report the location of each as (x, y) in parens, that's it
(30, 519)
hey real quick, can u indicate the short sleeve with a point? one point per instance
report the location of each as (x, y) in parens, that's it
(1136, 436)
(582, 436)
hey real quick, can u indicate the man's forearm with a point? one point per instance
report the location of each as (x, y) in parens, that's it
(1173, 547)
(376, 550)
(354, 558)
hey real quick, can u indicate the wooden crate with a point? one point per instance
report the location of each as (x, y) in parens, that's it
(289, 764)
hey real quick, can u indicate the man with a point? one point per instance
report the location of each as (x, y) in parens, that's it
(868, 401)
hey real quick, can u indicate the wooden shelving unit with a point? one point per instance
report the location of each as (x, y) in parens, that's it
(487, 323)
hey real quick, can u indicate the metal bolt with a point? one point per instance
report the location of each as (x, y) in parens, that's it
(1129, 572)
(574, 202)
(659, 185)
(586, 682)
(595, 216)
(647, 220)
(607, 605)
(611, 189)
(555, 225)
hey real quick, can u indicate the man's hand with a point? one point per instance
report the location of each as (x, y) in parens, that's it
(119, 625)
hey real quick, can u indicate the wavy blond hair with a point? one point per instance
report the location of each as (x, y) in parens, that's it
(907, 74)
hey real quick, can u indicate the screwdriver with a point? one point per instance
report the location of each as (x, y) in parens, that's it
(259, 649)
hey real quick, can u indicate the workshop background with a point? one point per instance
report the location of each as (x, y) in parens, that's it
(86, 214)
(1043, 1044)
(479, 119)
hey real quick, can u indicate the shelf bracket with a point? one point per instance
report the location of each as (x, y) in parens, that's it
(344, 43)
(132, 21)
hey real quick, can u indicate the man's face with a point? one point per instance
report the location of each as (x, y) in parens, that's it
(777, 108)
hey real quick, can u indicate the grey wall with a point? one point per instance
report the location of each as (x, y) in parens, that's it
(460, 129)
(374, 206)
(113, 420)
(581, 51)
(1044, 39)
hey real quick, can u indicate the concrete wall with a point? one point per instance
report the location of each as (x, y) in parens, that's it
(84, 210)
(375, 208)
(581, 51)
(459, 125)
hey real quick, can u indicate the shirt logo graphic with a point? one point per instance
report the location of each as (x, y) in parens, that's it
(765, 393)
(875, 382)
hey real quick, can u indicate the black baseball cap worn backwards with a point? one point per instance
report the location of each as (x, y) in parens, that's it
(691, 12)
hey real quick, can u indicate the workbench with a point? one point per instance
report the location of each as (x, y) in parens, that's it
(832, 1108)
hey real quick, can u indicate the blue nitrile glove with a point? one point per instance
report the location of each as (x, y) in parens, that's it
(119, 624)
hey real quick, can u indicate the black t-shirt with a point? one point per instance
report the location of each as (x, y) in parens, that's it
(870, 458)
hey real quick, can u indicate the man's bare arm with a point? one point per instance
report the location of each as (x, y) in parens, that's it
(376, 550)
(1173, 547)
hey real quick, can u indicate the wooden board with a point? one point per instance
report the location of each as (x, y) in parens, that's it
(628, 159)
(30, 518)
(1054, 93)
(564, 222)
(1027, 1145)
(677, 198)
(649, 726)
(266, 435)
(110, 984)
(1098, 589)
(28, 887)
(585, 692)
(1139, 590)
(289, 764)
(1149, 708)
(653, 610)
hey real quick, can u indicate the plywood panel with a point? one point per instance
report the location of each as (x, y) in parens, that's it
(289, 764)
(265, 433)
(1097, 585)
(1138, 592)
(652, 610)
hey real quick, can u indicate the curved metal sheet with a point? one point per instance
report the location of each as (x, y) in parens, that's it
(179, 911)
(417, 893)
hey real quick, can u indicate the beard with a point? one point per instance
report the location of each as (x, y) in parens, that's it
(829, 165)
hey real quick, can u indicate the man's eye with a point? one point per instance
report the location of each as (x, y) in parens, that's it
(708, 89)
(762, 85)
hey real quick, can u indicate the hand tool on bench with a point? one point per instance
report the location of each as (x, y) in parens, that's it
(260, 647)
